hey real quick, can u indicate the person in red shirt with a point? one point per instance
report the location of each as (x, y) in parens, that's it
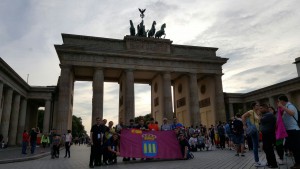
(152, 125)
(25, 140)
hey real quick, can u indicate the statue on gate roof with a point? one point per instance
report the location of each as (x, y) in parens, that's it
(141, 30)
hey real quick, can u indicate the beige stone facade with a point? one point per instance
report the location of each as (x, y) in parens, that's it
(156, 62)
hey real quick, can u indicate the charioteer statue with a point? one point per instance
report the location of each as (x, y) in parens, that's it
(141, 30)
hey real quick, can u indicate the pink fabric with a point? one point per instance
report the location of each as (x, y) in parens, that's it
(280, 129)
(149, 144)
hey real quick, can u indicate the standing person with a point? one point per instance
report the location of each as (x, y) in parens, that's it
(33, 137)
(142, 125)
(238, 137)
(191, 131)
(119, 127)
(165, 126)
(176, 124)
(221, 132)
(212, 135)
(267, 127)
(25, 141)
(290, 118)
(45, 141)
(56, 145)
(68, 141)
(51, 137)
(253, 117)
(229, 134)
(152, 126)
(280, 133)
(109, 131)
(97, 138)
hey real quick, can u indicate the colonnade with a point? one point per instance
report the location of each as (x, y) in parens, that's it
(14, 114)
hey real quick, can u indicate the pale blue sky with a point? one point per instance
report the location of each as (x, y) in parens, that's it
(260, 38)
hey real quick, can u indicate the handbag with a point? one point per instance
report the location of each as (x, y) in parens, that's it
(251, 128)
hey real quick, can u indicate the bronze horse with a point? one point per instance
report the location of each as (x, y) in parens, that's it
(152, 30)
(161, 32)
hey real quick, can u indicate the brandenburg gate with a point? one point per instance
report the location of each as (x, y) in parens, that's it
(194, 72)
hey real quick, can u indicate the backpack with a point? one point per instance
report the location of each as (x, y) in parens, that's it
(298, 121)
(238, 127)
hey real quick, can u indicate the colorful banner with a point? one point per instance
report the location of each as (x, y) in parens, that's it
(149, 144)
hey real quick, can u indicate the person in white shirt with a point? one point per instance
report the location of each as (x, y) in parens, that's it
(193, 141)
(68, 142)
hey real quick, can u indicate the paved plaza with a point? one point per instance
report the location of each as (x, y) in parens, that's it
(80, 160)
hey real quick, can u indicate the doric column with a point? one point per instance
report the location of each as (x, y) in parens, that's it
(55, 114)
(271, 101)
(220, 106)
(231, 111)
(66, 84)
(47, 116)
(194, 101)
(129, 95)
(167, 100)
(1, 93)
(22, 119)
(14, 120)
(6, 113)
(98, 81)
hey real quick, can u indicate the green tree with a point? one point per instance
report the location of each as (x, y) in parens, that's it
(41, 119)
(77, 127)
(146, 118)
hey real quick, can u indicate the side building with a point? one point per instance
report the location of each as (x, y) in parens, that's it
(19, 104)
(240, 102)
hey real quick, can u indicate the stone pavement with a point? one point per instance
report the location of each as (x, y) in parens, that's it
(13, 154)
(80, 160)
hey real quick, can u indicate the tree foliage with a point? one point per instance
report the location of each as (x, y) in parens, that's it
(77, 127)
(146, 118)
(41, 120)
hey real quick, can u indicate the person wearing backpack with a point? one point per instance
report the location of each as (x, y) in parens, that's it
(290, 119)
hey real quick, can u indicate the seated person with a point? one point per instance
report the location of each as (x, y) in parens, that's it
(112, 149)
(184, 146)
(193, 141)
(201, 142)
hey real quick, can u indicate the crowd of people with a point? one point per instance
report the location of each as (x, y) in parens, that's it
(274, 128)
(263, 127)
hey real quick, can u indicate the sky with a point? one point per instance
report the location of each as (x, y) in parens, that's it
(260, 38)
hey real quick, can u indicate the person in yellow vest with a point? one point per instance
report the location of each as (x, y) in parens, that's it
(45, 141)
